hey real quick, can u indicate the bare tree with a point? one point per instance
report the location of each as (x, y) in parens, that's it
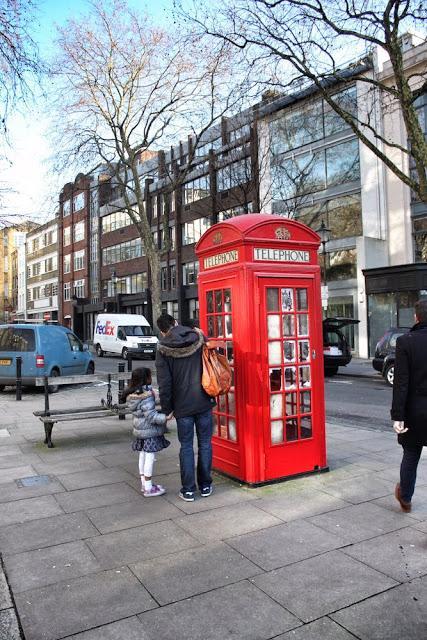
(125, 87)
(292, 42)
(18, 54)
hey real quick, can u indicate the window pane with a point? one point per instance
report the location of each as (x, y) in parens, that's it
(289, 351)
(305, 401)
(303, 350)
(273, 323)
(276, 405)
(342, 163)
(288, 325)
(306, 427)
(272, 299)
(276, 431)
(274, 352)
(275, 379)
(287, 300)
(302, 304)
(290, 378)
(291, 429)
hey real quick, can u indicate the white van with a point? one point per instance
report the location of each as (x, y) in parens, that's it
(125, 334)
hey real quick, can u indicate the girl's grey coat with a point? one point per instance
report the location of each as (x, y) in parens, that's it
(147, 421)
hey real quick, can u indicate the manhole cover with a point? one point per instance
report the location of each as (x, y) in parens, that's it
(33, 481)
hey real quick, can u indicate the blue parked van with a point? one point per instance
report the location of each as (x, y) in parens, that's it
(45, 349)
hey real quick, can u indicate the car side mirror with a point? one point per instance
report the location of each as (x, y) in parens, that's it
(85, 347)
(75, 348)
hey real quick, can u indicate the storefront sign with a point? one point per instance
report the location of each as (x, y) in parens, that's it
(221, 258)
(281, 255)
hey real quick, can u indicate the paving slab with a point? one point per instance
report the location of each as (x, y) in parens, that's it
(17, 460)
(9, 629)
(13, 473)
(29, 509)
(297, 504)
(239, 611)
(5, 599)
(82, 499)
(41, 567)
(284, 544)
(315, 587)
(223, 495)
(45, 532)
(128, 629)
(402, 554)
(132, 514)
(12, 491)
(225, 522)
(118, 459)
(360, 522)
(80, 604)
(140, 543)
(68, 466)
(64, 452)
(9, 449)
(194, 571)
(84, 479)
(360, 488)
(322, 629)
(419, 505)
(398, 614)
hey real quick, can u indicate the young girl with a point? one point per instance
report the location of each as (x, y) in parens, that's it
(149, 427)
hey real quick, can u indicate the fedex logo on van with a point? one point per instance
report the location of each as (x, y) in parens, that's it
(106, 329)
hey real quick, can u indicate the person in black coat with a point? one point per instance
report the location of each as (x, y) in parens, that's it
(409, 406)
(179, 376)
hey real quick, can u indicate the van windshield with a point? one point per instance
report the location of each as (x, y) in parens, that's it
(137, 331)
(12, 339)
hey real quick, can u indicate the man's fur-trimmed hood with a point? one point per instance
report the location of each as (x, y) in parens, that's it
(181, 342)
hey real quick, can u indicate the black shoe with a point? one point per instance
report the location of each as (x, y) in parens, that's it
(206, 491)
(188, 496)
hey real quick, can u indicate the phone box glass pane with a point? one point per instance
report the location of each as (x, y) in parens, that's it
(275, 379)
(306, 427)
(304, 376)
(304, 350)
(218, 301)
(302, 302)
(274, 352)
(305, 401)
(291, 429)
(287, 296)
(276, 431)
(209, 301)
(288, 325)
(289, 351)
(211, 326)
(302, 325)
(227, 300)
(232, 433)
(228, 327)
(273, 324)
(291, 404)
(276, 405)
(290, 378)
(231, 403)
(272, 299)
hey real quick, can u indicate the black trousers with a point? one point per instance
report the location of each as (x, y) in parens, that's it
(408, 470)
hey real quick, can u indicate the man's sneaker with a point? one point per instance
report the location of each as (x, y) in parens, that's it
(188, 496)
(206, 491)
(156, 490)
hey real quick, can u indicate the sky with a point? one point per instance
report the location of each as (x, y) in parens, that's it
(28, 173)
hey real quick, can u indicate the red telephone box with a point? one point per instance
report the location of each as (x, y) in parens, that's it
(259, 297)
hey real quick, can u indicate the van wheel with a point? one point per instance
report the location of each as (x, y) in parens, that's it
(389, 374)
(331, 371)
(99, 351)
(125, 354)
(90, 369)
(53, 388)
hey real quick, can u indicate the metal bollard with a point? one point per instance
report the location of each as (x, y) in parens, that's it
(109, 396)
(18, 378)
(121, 387)
(130, 362)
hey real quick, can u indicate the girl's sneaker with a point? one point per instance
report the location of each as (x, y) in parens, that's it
(156, 490)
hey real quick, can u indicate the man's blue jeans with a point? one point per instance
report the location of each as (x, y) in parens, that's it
(203, 424)
(408, 470)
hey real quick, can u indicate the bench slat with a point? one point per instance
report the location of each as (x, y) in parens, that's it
(77, 416)
(65, 411)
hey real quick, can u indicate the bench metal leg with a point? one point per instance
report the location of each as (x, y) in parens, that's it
(48, 426)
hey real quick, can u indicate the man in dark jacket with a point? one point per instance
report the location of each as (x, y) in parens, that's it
(409, 407)
(179, 376)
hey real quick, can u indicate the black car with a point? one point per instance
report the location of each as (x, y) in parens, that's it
(385, 353)
(336, 350)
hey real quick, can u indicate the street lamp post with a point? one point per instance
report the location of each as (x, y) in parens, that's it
(325, 236)
(114, 280)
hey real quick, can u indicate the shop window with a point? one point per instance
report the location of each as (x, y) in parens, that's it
(341, 265)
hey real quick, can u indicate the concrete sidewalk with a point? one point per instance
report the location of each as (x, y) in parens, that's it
(360, 368)
(87, 557)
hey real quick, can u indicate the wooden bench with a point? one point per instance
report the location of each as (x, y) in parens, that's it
(106, 408)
